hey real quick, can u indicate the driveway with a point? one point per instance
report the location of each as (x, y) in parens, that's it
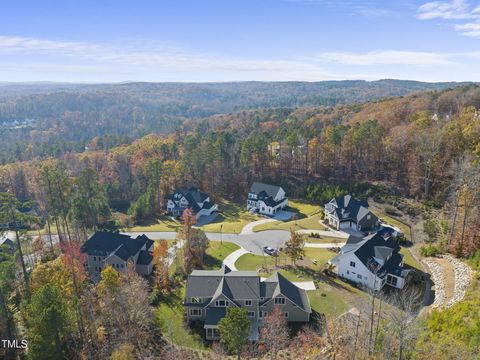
(248, 229)
(231, 259)
(283, 215)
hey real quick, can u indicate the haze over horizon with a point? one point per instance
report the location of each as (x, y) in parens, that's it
(215, 41)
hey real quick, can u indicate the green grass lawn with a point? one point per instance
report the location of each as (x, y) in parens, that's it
(266, 265)
(303, 208)
(327, 301)
(170, 318)
(216, 252)
(305, 223)
(409, 259)
(324, 240)
(163, 223)
(232, 219)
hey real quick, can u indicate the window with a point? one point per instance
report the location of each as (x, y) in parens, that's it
(262, 314)
(348, 272)
(195, 312)
(121, 266)
(369, 217)
(352, 263)
(251, 314)
(285, 314)
(359, 276)
(279, 301)
(94, 258)
(248, 302)
(221, 303)
(195, 300)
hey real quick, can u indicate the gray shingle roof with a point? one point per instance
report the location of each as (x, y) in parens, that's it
(270, 190)
(289, 290)
(104, 243)
(243, 285)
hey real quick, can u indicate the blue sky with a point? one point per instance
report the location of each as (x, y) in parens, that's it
(236, 40)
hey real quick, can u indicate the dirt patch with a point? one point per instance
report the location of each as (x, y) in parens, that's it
(449, 277)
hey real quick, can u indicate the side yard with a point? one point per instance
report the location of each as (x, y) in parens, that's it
(231, 219)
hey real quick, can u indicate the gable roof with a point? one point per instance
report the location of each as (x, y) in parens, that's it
(243, 285)
(144, 258)
(286, 288)
(376, 246)
(269, 190)
(348, 207)
(105, 243)
(194, 197)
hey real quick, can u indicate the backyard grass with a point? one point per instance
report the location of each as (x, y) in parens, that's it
(409, 259)
(170, 318)
(231, 219)
(163, 223)
(305, 223)
(327, 301)
(303, 208)
(216, 252)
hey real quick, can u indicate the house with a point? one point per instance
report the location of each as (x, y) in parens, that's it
(266, 199)
(191, 198)
(346, 212)
(7, 244)
(115, 249)
(210, 292)
(371, 262)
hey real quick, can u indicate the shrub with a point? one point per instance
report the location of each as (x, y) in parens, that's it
(430, 250)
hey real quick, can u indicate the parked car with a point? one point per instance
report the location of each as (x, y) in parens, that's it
(270, 251)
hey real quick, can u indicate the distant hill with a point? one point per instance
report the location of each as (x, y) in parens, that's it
(42, 119)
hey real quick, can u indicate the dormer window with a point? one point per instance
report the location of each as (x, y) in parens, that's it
(196, 300)
(221, 303)
(280, 301)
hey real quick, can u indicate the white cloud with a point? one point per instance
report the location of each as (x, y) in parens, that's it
(142, 60)
(454, 11)
(469, 29)
(387, 57)
(448, 10)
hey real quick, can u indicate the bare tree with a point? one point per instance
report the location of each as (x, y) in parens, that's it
(401, 322)
(274, 333)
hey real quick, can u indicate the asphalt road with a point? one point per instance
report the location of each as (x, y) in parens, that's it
(251, 242)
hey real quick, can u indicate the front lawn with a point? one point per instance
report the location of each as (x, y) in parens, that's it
(216, 252)
(312, 222)
(231, 219)
(163, 223)
(313, 261)
(170, 318)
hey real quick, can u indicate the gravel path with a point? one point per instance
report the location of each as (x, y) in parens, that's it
(438, 278)
(463, 275)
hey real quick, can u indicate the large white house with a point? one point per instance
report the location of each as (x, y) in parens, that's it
(192, 198)
(372, 262)
(266, 199)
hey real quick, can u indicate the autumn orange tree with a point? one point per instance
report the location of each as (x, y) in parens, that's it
(160, 261)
